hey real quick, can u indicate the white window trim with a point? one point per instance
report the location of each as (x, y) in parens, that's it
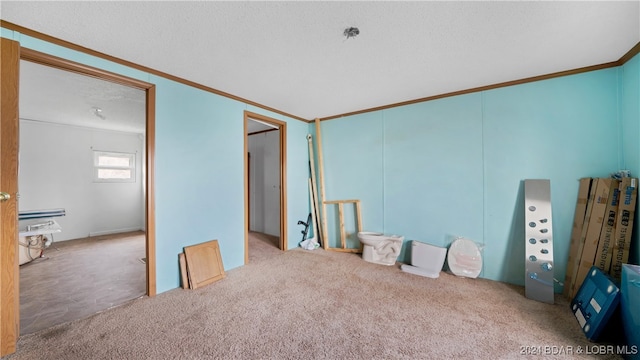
(96, 167)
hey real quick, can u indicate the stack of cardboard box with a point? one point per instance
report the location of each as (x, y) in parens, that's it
(602, 228)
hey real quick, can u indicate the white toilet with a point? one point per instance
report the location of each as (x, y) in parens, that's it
(379, 248)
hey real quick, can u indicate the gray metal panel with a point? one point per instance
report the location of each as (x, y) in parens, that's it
(538, 241)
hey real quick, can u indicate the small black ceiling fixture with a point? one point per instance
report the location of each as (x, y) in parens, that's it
(351, 32)
(98, 113)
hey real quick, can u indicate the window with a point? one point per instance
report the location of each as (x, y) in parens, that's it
(114, 167)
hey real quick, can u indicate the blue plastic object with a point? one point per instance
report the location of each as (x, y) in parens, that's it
(39, 214)
(630, 308)
(595, 302)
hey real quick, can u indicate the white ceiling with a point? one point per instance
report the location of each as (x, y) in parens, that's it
(293, 56)
(51, 95)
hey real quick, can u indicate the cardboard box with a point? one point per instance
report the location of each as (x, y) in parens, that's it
(591, 236)
(569, 286)
(624, 225)
(578, 221)
(605, 246)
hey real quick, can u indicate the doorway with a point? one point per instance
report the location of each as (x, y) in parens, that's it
(82, 152)
(9, 296)
(265, 185)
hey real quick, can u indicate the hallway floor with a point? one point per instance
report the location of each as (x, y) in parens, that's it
(263, 246)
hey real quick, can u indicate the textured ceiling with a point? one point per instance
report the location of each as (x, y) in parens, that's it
(292, 56)
(51, 95)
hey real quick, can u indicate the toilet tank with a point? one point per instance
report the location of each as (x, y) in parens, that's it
(427, 256)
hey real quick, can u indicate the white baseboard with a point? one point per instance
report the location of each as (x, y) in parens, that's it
(116, 231)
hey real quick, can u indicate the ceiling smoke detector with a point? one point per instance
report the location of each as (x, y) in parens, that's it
(351, 32)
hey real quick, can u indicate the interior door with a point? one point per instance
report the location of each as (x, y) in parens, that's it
(249, 190)
(9, 286)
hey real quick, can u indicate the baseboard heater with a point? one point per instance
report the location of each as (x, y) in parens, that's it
(38, 214)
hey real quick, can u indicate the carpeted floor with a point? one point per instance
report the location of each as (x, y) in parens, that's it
(263, 246)
(318, 304)
(78, 278)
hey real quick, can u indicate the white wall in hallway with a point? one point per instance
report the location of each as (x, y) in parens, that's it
(56, 171)
(265, 182)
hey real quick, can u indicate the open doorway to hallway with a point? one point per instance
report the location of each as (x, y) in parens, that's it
(265, 205)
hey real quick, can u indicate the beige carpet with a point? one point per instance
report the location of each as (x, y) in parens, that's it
(318, 304)
(263, 246)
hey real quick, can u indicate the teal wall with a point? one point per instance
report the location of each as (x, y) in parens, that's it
(452, 167)
(430, 171)
(199, 166)
(630, 113)
(560, 129)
